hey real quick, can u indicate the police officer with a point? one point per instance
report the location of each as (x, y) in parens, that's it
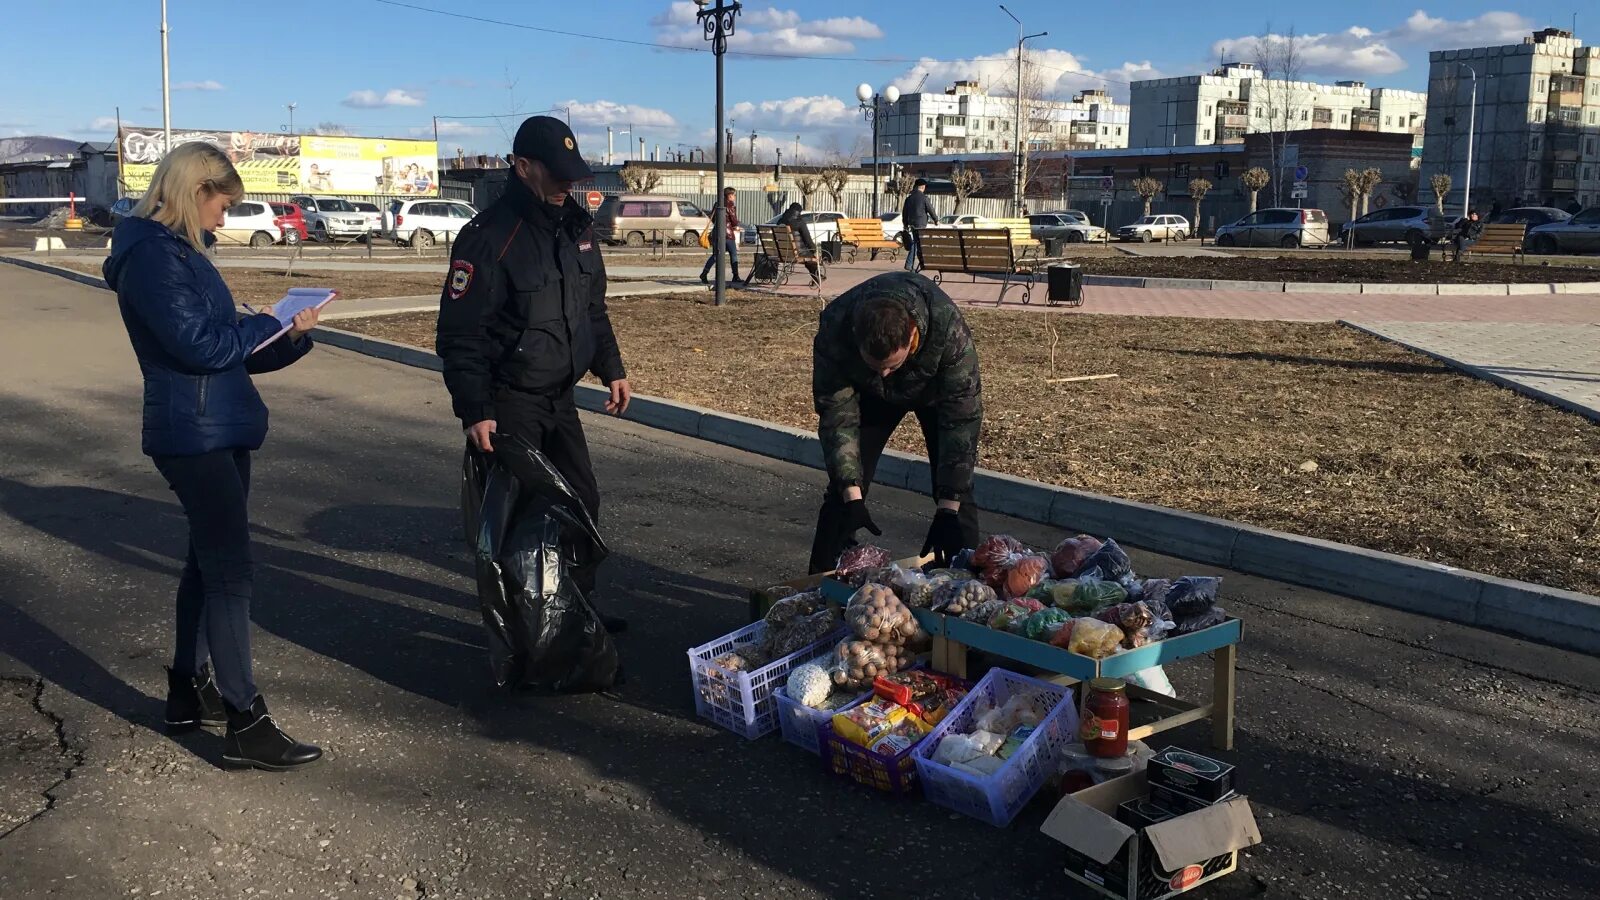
(523, 316)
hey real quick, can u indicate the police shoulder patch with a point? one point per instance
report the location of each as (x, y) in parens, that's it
(460, 278)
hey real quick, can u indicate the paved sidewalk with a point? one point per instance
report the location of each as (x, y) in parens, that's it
(313, 263)
(1154, 249)
(1557, 363)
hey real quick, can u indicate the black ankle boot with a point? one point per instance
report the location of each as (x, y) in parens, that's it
(194, 701)
(254, 740)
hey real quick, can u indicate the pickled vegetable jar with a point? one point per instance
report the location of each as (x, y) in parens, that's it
(1105, 718)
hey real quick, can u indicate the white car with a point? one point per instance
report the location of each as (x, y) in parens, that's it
(1155, 228)
(422, 223)
(966, 221)
(370, 212)
(249, 222)
(892, 225)
(329, 218)
(822, 226)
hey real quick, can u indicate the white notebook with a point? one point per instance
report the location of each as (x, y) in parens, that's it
(292, 303)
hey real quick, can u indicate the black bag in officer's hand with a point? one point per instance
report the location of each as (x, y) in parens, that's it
(528, 531)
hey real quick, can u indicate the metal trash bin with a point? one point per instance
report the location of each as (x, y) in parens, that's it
(1421, 250)
(1065, 284)
(1054, 246)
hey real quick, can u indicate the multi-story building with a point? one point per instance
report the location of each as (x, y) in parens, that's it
(964, 119)
(1234, 100)
(1536, 127)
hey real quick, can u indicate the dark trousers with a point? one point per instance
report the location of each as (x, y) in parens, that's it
(215, 588)
(550, 423)
(731, 248)
(878, 422)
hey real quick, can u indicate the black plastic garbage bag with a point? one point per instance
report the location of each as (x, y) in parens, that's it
(528, 532)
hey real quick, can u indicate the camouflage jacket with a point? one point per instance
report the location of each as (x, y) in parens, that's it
(942, 374)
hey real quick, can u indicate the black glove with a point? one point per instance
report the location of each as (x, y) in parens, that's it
(856, 516)
(944, 537)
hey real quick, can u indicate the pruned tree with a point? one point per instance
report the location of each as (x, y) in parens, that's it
(1370, 179)
(965, 183)
(1280, 61)
(807, 185)
(1198, 189)
(1351, 191)
(639, 179)
(834, 180)
(1147, 188)
(900, 185)
(1441, 184)
(1254, 179)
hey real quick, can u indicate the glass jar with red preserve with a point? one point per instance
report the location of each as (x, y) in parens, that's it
(1105, 717)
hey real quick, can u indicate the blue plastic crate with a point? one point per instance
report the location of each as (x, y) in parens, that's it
(997, 798)
(742, 702)
(799, 723)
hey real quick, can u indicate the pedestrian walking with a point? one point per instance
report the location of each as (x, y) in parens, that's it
(802, 235)
(730, 237)
(915, 214)
(523, 317)
(202, 420)
(892, 345)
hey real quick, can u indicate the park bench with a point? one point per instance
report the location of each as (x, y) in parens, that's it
(980, 251)
(1501, 240)
(866, 234)
(779, 244)
(1021, 234)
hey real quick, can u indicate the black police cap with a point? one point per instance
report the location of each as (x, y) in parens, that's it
(550, 141)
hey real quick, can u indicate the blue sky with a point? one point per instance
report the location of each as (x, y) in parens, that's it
(376, 68)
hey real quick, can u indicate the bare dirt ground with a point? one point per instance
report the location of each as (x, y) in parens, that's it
(1308, 428)
(1338, 269)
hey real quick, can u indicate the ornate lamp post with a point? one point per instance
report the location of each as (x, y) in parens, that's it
(871, 108)
(717, 21)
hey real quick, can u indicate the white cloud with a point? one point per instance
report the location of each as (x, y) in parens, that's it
(374, 100)
(449, 129)
(783, 32)
(608, 112)
(1061, 72)
(1360, 51)
(821, 111)
(103, 123)
(207, 85)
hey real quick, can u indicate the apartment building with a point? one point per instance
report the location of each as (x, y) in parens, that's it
(1234, 100)
(1535, 129)
(964, 119)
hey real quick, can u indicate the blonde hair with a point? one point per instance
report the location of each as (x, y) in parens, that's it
(187, 174)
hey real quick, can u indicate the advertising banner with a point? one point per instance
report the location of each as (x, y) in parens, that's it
(272, 163)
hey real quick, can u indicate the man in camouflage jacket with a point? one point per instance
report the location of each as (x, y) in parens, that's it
(895, 344)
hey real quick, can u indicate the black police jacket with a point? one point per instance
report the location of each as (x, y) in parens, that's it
(524, 304)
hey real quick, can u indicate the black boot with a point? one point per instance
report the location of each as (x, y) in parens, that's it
(254, 740)
(193, 701)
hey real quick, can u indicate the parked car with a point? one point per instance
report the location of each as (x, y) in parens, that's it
(892, 226)
(822, 226)
(633, 219)
(1155, 228)
(1579, 234)
(249, 222)
(122, 209)
(1397, 223)
(291, 220)
(1064, 226)
(963, 221)
(329, 218)
(371, 213)
(1283, 227)
(1531, 216)
(421, 223)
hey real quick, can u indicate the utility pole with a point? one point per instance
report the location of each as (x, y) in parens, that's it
(752, 146)
(609, 144)
(166, 93)
(641, 149)
(1017, 185)
(718, 23)
(292, 105)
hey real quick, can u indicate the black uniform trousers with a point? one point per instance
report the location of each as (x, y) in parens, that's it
(878, 422)
(549, 421)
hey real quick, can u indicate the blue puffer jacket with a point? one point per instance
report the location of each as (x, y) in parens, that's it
(192, 345)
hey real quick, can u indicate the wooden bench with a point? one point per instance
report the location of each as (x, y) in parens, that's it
(866, 234)
(1021, 234)
(780, 244)
(1501, 240)
(980, 251)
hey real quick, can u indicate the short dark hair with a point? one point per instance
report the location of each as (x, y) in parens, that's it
(728, 190)
(794, 207)
(882, 325)
(920, 182)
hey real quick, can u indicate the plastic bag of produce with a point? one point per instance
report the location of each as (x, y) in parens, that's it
(809, 685)
(994, 551)
(1110, 562)
(856, 562)
(1003, 720)
(1192, 595)
(782, 641)
(963, 561)
(956, 598)
(533, 543)
(1153, 679)
(960, 748)
(795, 606)
(1013, 614)
(1023, 571)
(875, 614)
(1094, 638)
(1216, 615)
(1042, 625)
(1069, 555)
(984, 611)
(912, 587)
(856, 663)
(1152, 589)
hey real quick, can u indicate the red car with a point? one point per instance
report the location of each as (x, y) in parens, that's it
(291, 221)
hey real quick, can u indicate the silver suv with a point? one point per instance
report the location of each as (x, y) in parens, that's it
(330, 217)
(1276, 228)
(1409, 224)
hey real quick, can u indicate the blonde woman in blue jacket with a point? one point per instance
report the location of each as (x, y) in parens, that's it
(202, 419)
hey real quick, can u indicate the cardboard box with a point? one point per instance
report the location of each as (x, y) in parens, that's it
(1150, 863)
(1191, 774)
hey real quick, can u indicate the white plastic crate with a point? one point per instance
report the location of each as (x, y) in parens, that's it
(743, 702)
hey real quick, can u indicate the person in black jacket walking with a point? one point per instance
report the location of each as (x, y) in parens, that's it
(916, 213)
(523, 317)
(202, 420)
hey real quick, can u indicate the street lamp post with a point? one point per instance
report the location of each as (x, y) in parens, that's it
(717, 22)
(1472, 129)
(1016, 176)
(872, 108)
(166, 93)
(291, 108)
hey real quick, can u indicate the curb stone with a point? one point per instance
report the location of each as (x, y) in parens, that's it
(93, 281)
(1544, 614)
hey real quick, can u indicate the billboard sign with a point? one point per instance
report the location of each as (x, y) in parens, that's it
(272, 163)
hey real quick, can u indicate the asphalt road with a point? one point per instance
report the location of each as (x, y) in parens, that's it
(1387, 755)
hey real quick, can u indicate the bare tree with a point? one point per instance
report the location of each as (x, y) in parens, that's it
(1031, 100)
(1147, 188)
(1198, 189)
(900, 185)
(965, 182)
(638, 179)
(807, 184)
(1351, 191)
(1441, 185)
(834, 180)
(1254, 179)
(1370, 179)
(1280, 62)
